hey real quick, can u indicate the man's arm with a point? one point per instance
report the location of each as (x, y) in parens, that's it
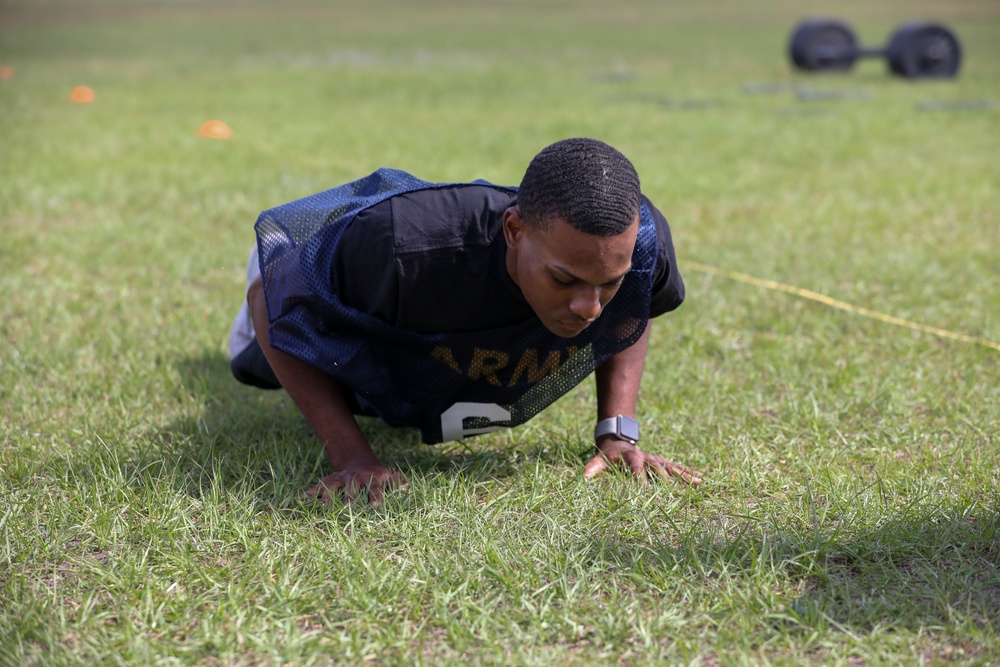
(321, 400)
(618, 381)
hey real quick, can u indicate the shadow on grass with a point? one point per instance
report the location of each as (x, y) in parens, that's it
(918, 570)
(932, 568)
(245, 435)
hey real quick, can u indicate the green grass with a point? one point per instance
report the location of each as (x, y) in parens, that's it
(152, 510)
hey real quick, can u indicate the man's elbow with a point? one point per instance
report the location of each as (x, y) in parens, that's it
(254, 291)
(257, 305)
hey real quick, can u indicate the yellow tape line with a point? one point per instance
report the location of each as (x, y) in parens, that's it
(842, 305)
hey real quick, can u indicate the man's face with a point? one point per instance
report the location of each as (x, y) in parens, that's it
(567, 276)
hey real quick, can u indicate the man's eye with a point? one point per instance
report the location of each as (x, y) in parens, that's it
(560, 281)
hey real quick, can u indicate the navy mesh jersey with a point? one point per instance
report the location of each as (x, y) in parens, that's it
(449, 385)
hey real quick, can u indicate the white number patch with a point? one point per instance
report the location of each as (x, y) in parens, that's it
(452, 427)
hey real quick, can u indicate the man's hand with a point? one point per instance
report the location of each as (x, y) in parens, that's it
(621, 453)
(352, 481)
(618, 381)
(322, 401)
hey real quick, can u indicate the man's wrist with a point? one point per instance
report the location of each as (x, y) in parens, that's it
(345, 451)
(621, 427)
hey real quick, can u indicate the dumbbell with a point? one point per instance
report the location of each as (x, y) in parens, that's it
(915, 50)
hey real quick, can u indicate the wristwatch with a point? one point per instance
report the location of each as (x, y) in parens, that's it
(621, 426)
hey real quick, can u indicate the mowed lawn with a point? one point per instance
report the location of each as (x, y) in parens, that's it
(152, 510)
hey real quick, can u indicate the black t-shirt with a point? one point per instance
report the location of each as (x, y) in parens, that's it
(434, 261)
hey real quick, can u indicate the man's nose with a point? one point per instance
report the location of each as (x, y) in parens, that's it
(586, 304)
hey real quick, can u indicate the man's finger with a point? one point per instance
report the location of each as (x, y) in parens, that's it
(637, 464)
(353, 489)
(396, 481)
(325, 490)
(320, 492)
(595, 466)
(689, 475)
(375, 494)
(659, 469)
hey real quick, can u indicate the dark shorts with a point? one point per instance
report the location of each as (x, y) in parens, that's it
(250, 367)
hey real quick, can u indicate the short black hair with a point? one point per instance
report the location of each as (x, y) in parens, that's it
(586, 182)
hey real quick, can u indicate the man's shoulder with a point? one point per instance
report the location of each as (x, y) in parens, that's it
(441, 216)
(426, 259)
(657, 216)
(668, 286)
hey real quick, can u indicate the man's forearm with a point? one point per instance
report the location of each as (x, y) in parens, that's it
(619, 377)
(318, 396)
(618, 381)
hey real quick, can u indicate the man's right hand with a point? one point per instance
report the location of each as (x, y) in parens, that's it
(353, 481)
(322, 402)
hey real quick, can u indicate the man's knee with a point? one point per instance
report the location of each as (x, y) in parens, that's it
(250, 367)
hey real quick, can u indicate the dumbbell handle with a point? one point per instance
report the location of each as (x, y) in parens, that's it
(834, 52)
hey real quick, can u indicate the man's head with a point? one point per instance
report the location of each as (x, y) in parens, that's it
(585, 182)
(571, 235)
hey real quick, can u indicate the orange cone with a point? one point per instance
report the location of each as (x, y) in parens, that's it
(6, 72)
(214, 129)
(82, 95)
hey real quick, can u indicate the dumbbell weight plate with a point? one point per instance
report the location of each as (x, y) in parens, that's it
(919, 50)
(823, 44)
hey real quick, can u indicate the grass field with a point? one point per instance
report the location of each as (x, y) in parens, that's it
(152, 510)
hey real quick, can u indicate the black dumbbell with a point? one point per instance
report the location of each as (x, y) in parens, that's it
(915, 50)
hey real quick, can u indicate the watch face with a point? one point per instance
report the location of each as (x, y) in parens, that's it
(628, 428)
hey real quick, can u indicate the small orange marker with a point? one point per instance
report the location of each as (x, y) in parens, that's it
(214, 129)
(6, 72)
(82, 95)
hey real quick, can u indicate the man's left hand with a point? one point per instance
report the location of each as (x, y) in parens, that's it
(621, 453)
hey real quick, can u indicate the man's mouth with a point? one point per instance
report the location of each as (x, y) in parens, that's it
(576, 325)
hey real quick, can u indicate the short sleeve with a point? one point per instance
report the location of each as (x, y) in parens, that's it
(668, 285)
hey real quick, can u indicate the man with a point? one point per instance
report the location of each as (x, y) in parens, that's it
(460, 308)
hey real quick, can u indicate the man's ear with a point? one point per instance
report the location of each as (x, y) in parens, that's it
(513, 226)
